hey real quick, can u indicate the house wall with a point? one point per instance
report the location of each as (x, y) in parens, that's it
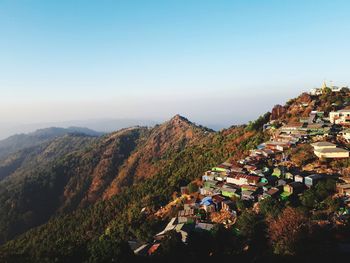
(298, 179)
(279, 148)
(233, 180)
(333, 115)
(344, 190)
(339, 117)
(332, 155)
(288, 188)
(309, 181)
(346, 136)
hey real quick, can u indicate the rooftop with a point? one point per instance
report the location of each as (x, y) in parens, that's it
(323, 144)
(272, 191)
(246, 176)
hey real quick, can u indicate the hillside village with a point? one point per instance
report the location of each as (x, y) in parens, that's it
(300, 156)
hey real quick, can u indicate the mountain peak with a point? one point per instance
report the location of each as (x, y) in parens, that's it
(180, 121)
(178, 117)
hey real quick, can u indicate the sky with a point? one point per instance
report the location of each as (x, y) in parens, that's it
(216, 62)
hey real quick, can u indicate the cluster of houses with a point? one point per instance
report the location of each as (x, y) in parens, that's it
(258, 176)
(193, 216)
(262, 174)
(312, 125)
(317, 125)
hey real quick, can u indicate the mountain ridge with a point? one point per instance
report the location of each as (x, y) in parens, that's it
(97, 169)
(21, 141)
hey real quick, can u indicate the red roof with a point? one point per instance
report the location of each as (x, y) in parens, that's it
(246, 176)
(153, 249)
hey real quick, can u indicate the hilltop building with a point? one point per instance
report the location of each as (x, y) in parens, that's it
(319, 91)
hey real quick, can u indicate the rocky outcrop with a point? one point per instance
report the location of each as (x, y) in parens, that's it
(305, 98)
(277, 112)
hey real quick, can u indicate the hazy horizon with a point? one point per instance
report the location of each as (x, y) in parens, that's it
(217, 63)
(113, 124)
(101, 124)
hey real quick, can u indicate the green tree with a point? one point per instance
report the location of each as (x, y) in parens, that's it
(257, 125)
(288, 232)
(309, 198)
(243, 204)
(226, 242)
(270, 207)
(192, 187)
(200, 244)
(171, 249)
(107, 249)
(247, 223)
(333, 204)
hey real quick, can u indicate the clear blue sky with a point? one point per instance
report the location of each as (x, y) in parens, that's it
(217, 62)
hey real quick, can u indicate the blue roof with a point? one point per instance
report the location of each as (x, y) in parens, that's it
(207, 200)
(260, 146)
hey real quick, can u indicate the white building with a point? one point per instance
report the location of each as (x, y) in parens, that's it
(345, 134)
(332, 153)
(323, 145)
(341, 117)
(329, 150)
(318, 91)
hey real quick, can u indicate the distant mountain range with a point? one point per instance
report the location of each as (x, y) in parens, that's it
(101, 125)
(19, 142)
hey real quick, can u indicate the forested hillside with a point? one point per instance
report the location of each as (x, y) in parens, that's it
(74, 236)
(75, 171)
